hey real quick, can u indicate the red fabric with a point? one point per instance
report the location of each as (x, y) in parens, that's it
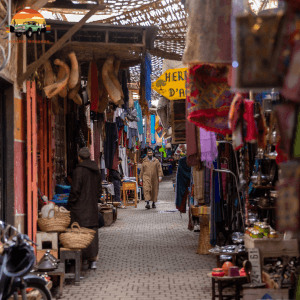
(281, 157)
(115, 164)
(209, 98)
(252, 131)
(191, 136)
(94, 87)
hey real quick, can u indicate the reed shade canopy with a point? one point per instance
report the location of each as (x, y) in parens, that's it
(168, 15)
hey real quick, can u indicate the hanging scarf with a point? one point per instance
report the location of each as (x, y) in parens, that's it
(209, 151)
(210, 98)
(182, 184)
(94, 87)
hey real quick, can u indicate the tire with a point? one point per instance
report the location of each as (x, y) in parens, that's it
(43, 290)
(38, 32)
(29, 33)
(18, 34)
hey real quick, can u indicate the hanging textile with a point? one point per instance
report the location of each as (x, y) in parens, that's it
(94, 87)
(216, 208)
(162, 111)
(191, 136)
(209, 151)
(182, 184)
(153, 129)
(208, 38)
(198, 178)
(140, 117)
(110, 144)
(148, 71)
(123, 155)
(207, 186)
(210, 98)
(125, 89)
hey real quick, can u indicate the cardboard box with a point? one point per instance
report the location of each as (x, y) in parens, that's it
(255, 294)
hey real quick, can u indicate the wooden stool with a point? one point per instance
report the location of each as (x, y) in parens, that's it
(224, 282)
(129, 186)
(74, 254)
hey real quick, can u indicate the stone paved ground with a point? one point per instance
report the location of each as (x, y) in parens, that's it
(147, 255)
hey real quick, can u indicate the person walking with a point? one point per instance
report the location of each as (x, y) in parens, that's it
(116, 177)
(151, 175)
(86, 191)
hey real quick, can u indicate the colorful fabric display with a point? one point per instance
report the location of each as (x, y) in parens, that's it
(210, 98)
(209, 151)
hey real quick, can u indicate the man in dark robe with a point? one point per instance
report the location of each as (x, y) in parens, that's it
(86, 191)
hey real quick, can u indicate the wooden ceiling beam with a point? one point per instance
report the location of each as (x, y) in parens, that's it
(164, 54)
(35, 65)
(69, 5)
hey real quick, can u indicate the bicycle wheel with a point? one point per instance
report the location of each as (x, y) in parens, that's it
(37, 289)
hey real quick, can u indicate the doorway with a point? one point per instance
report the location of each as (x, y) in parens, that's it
(7, 194)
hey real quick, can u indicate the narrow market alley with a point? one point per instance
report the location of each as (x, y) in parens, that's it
(147, 254)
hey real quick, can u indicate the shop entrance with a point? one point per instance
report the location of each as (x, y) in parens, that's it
(7, 194)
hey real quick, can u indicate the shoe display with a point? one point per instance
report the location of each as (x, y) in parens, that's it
(153, 205)
(148, 206)
(93, 265)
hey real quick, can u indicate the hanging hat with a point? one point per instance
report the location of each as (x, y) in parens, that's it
(84, 153)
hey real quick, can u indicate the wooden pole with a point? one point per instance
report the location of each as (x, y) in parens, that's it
(29, 180)
(34, 163)
(35, 65)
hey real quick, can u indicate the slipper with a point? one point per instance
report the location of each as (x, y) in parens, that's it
(122, 207)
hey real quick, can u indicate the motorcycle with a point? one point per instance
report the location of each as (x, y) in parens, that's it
(18, 259)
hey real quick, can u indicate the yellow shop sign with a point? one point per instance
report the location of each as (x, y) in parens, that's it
(172, 84)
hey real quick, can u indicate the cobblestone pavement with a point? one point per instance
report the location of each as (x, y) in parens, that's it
(146, 254)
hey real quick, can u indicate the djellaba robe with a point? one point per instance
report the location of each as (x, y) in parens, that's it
(150, 172)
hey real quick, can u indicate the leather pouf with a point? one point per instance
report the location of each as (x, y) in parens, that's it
(226, 266)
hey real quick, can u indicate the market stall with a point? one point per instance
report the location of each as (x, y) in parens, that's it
(241, 136)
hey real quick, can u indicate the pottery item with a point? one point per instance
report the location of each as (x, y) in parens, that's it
(218, 272)
(45, 264)
(52, 258)
(233, 272)
(226, 267)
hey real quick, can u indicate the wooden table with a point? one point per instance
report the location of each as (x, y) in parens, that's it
(60, 271)
(129, 186)
(223, 283)
(234, 255)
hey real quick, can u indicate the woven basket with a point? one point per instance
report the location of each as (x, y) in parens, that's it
(58, 223)
(62, 210)
(77, 238)
(204, 236)
(76, 228)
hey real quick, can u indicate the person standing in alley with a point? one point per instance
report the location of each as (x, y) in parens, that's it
(151, 175)
(86, 191)
(116, 177)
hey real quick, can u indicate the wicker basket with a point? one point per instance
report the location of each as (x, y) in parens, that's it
(77, 238)
(204, 236)
(58, 223)
(76, 228)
